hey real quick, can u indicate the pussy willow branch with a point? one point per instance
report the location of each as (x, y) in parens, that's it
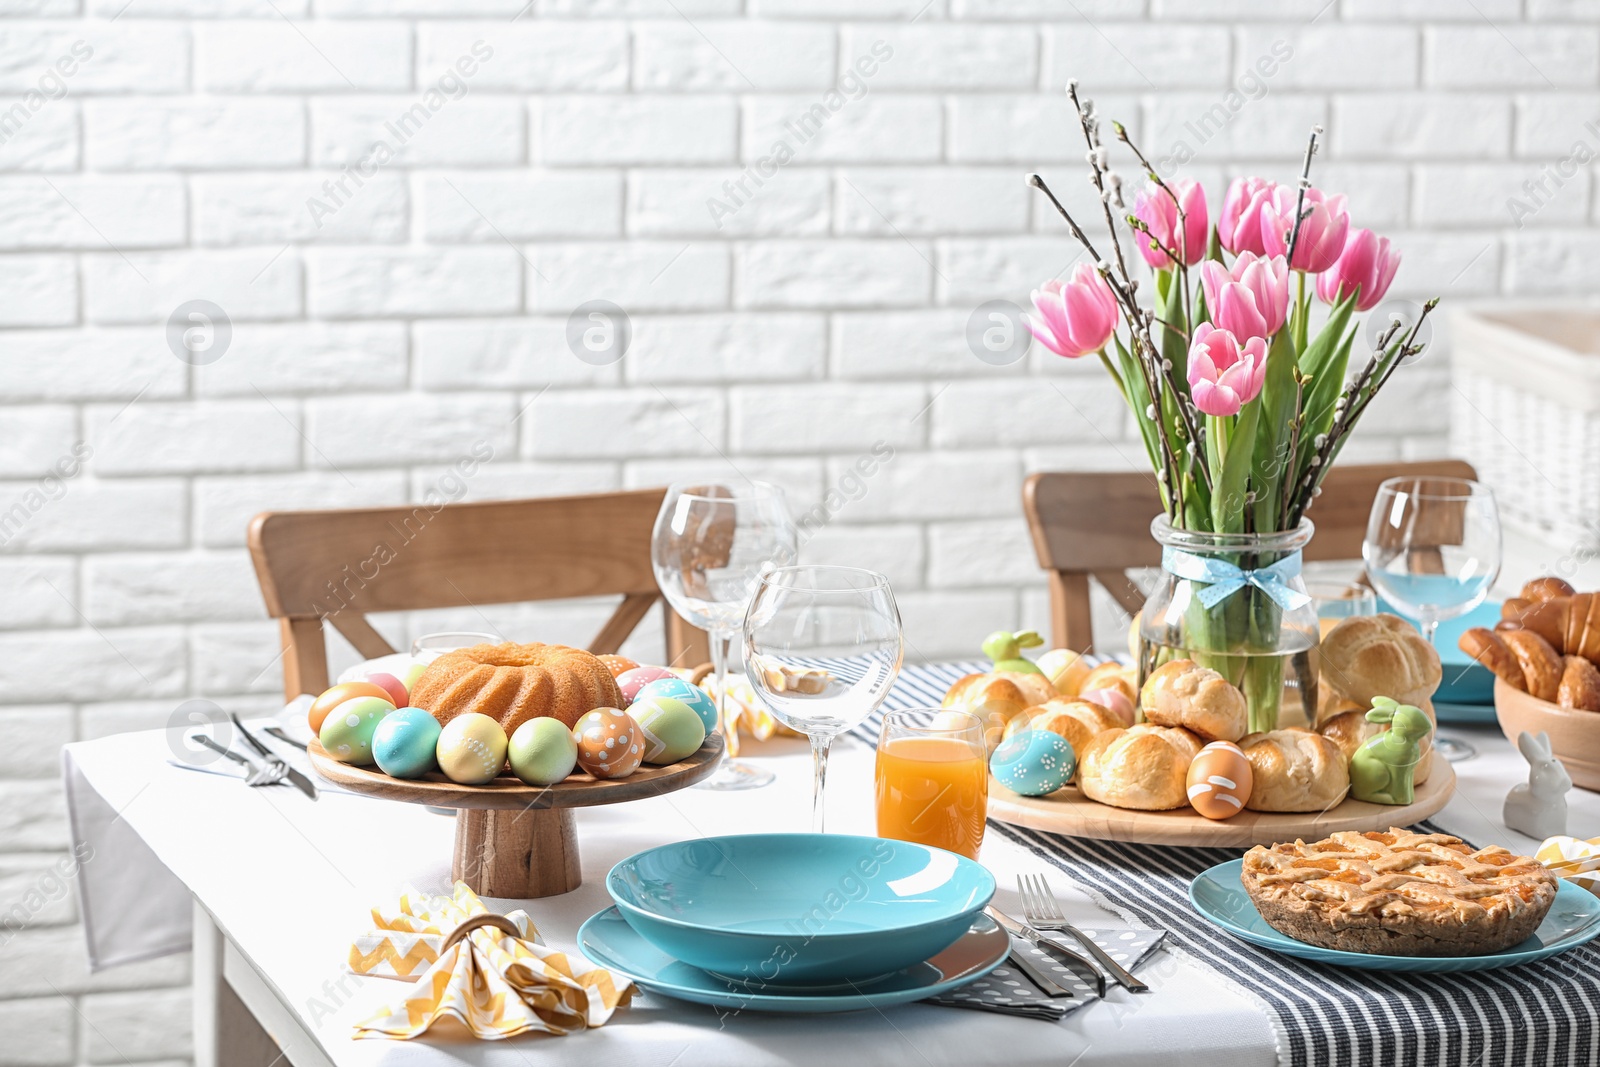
(1090, 125)
(1300, 197)
(1179, 262)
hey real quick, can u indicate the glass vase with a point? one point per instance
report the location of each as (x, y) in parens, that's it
(1236, 603)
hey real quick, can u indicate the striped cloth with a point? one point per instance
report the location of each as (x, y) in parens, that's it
(1538, 1013)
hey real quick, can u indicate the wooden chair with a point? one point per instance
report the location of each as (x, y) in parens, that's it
(339, 565)
(1097, 524)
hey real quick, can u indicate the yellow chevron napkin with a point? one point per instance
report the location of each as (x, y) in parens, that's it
(746, 712)
(493, 984)
(1572, 848)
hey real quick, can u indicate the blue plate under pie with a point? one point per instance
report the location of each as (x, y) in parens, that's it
(608, 941)
(1220, 896)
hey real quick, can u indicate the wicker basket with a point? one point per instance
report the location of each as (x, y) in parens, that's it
(1526, 413)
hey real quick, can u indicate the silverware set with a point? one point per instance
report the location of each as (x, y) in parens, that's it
(1043, 918)
(262, 766)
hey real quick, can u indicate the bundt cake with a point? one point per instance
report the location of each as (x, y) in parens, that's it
(514, 683)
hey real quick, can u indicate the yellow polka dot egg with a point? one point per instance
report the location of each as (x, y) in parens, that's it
(471, 749)
(610, 743)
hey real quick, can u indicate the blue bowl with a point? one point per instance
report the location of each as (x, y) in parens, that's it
(799, 909)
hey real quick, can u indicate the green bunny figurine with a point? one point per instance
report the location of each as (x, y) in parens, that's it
(1006, 650)
(1381, 769)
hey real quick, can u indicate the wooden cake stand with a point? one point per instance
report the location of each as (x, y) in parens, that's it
(516, 840)
(1069, 812)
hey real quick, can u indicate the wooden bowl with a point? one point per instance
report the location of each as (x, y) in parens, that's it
(1574, 735)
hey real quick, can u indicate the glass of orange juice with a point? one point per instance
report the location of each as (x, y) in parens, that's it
(933, 779)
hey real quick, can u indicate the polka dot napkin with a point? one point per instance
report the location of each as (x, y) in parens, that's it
(1008, 991)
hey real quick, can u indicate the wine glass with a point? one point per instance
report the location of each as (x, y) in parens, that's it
(1433, 550)
(711, 544)
(1432, 547)
(822, 647)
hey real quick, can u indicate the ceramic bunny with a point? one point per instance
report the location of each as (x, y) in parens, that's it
(1539, 808)
(1381, 769)
(1005, 649)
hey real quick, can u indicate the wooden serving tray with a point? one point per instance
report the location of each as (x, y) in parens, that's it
(517, 840)
(1069, 812)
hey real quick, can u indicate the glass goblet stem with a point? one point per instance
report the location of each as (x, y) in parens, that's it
(1428, 622)
(819, 758)
(720, 640)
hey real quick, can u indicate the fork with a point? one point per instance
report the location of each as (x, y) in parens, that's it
(1043, 912)
(258, 773)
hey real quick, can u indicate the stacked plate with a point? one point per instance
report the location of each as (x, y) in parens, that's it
(797, 922)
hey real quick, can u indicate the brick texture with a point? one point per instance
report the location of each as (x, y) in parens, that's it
(400, 208)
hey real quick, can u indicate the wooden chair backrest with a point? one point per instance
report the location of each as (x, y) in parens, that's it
(339, 565)
(1098, 524)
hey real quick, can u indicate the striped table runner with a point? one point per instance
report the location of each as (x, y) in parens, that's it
(1539, 1013)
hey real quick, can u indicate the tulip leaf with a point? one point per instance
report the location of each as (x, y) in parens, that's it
(1173, 345)
(1328, 340)
(1228, 489)
(1320, 399)
(1270, 467)
(1138, 398)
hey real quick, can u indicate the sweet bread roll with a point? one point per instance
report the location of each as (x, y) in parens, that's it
(1066, 670)
(1183, 693)
(1580, 685)
(1514, 606)
(1541, 664)
(1546, 588)
(1368, 656)
(1349, 729)
(1144, 767)
(996, 697)
(1113, 676)
(1078, 721)
(1491, 650)
(1571, 624)
(1295, 770)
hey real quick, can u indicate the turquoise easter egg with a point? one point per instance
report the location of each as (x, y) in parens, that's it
(347, 732)
(678, 691)
(403, 744)
(669, 728)
(1033, 762)
(542, 751)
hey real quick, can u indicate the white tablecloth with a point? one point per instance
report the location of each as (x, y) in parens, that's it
(291, 881)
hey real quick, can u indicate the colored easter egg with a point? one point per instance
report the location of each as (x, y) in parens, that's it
(542, 751)
(347, 730)
(609, 744)
(1220, 780)
(405, 743)
(1033, 763)
(1113, 700)
(679, 691)
(337, 695)
(617, 664)
(409, 676)
(398, 691)
(669, 728)
(1065, 669)
(471, 749)
(631, 681)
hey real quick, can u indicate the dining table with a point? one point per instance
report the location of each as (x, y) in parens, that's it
(269, 888)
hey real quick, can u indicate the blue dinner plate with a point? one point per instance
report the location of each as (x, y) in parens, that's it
(608, 941)
(1466, 682)
(1218, 895)
(799, 908)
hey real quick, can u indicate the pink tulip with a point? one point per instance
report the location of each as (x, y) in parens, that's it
(1322, 232)
(1075, 317)
(1249, 300)
(1156, 209)
(1224, 375)
(1367, 263)
(1239, 227)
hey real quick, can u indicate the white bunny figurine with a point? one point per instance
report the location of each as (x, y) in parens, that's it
(1538, 808)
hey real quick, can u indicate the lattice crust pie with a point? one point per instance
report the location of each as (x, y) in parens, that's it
(1399, 893)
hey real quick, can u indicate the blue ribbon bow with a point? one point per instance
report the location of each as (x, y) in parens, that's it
(1222, 579)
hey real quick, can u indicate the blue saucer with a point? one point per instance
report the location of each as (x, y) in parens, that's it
(1219, 896)
(609, 942)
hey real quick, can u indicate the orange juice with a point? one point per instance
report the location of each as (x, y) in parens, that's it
(934, 791)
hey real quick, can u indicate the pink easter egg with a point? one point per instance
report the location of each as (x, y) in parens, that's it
(630, 682)
(1113, 700)
(391, 685)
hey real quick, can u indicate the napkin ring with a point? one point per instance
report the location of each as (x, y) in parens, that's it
(474, 922)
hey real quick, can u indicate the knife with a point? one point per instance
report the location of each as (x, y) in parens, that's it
(1074, 962)
(296, 778)
(1047, 985)
(274, 731)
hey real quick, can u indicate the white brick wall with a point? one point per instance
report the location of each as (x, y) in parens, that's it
(398, 203)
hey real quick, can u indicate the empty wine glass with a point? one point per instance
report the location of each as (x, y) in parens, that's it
(822, 647)
(1433, 551)
(1432, 547)
(712, 542)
